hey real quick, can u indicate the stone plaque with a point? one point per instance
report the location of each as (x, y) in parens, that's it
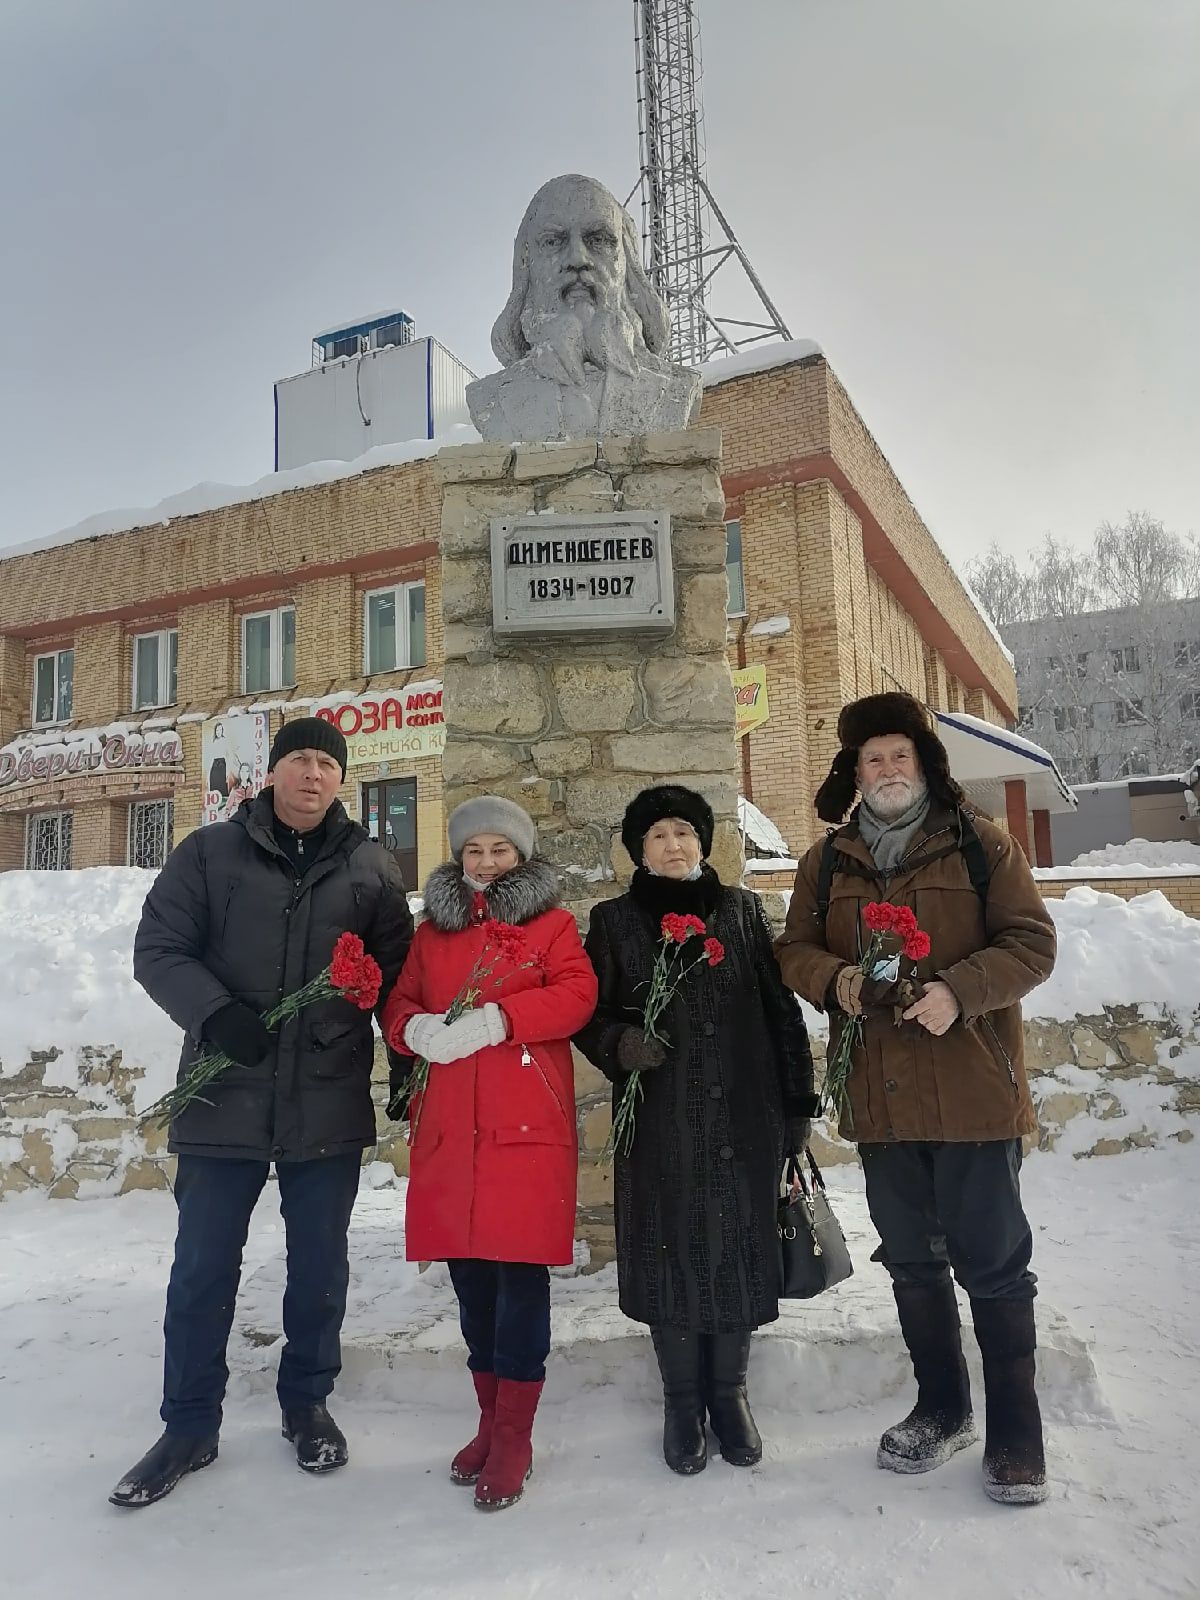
(608, 573)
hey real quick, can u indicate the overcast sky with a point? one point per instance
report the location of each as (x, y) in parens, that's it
(987, 213)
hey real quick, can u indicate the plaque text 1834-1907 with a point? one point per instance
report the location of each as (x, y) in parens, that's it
(608, 573)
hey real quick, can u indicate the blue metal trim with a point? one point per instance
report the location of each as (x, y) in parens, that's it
(362, 327)
(429, 388)
(275, 398)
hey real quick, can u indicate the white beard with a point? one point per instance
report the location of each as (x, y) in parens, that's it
(893, 799)
(561, 342)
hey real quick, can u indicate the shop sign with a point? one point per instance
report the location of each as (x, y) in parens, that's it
(750, 699)
(393, 725)
(234, 751)
(86, 754)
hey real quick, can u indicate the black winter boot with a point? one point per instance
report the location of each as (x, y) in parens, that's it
(160, 1469)
(320, 1443)
(727, 1355)
(680, 1361)
(941, 1422)
(1014, 1459)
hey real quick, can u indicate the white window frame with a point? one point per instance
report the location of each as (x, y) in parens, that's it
(275, 614)
(66, 824)
(56, 656)
(741, 566)
(162, 693)
(404, 658)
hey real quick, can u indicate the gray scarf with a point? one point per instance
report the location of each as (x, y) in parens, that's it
(888, 838)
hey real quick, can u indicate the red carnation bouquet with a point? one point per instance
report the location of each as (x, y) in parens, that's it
(502, 942)
(351, 974)
(671, 966)
(886, 923)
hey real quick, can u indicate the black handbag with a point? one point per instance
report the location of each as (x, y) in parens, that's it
(812, 1248)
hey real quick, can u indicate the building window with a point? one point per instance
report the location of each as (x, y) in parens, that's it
(151, 823)
(1135, 765)
(1081, 663)
(48, 841)
(1072, 718)
(394, 628)
(155, 669)
(1093, 769)
(269, 650)
(733, 569)
(1187, 652)
(1129, 711)
(53, 687)
(1125, 658)
(1189, 705)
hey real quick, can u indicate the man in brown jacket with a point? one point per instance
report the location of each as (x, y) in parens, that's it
(938, 1098)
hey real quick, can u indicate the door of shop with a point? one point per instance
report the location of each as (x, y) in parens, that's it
(389, 814)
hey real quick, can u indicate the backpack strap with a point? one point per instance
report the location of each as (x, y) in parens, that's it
(978, 867)
(825, 876)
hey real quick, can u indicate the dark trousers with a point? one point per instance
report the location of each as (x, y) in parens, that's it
(504, 1313)
(943, 1206)
(215, 1199)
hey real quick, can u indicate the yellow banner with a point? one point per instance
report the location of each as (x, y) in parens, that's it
(750, 699)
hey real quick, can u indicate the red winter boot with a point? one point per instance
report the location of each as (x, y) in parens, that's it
(469, 1462)
(510, 1460)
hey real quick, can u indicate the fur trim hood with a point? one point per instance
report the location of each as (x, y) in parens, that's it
(873, 717)
(519, 896)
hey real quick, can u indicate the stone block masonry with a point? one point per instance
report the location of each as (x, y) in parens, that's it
(572, 726)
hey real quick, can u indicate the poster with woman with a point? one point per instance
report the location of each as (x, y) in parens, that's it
(233, 755)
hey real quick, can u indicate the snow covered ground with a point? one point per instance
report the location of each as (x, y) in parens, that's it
(1137, 855)
(81, 1289)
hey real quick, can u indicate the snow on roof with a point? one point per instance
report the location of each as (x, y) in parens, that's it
(212, 496)
(983, 757)
(759, 358)
(759, 828)
(982, 610)
(354, 323)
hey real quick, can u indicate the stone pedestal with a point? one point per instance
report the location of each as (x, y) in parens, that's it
(573, 727)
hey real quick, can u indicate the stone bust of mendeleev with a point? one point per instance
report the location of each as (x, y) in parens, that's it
(583, 335)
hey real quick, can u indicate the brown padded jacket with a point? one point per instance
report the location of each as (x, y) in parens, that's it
(907, 1084)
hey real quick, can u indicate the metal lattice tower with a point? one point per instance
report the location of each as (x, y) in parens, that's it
(678, 207)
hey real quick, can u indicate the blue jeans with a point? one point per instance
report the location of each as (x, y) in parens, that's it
(504, 1313)
(216, 1198)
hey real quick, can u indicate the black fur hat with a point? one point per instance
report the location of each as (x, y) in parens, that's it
(873, 717)
(667, 800)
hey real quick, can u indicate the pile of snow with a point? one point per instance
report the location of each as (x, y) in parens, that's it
(1139, 855)
(66, 949)
(1119, 952)
(758, 828)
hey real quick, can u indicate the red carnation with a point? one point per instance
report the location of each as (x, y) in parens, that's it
(917, 945)
(880, 916)
(714, 952)
(680, 928)
(905, 924)
(348, 955)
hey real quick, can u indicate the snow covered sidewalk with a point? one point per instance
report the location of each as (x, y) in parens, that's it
(81, 1291)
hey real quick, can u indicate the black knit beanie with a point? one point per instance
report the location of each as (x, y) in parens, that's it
(667, 800)
(308, 733)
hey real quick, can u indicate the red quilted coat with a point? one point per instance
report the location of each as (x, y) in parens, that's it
(492, 1169)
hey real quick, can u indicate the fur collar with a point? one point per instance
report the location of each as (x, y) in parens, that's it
(659, 895)
(519, 896)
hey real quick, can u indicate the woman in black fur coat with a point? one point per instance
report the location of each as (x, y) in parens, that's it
(732, 1091)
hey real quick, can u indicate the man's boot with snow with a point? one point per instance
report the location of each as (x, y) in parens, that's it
(510, 1458)
(941, 1422)
(167, 1461)
(1014, 1458)
(320, 1444)
(681, 1363)
(727, 1357)
(470, 1460)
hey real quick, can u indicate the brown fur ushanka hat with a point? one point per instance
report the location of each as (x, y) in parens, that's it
(874, 717)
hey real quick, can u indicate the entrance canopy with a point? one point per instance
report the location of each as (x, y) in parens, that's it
(985, 758)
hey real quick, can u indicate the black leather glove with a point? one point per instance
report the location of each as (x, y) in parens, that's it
(796, 1135)
(638, 1054)
(240, 1033)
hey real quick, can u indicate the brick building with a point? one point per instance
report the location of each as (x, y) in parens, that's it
(144, 670)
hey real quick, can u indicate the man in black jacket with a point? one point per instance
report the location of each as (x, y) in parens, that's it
(243, 913)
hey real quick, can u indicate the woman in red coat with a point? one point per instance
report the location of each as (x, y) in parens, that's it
(492, 1165)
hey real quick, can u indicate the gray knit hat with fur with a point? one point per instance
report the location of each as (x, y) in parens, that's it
(491, 813)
